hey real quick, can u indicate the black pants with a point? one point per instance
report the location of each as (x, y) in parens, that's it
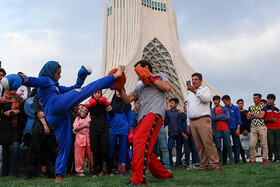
(242, 153)
(71, 161)
(273, 141)
(41, 142)
(99, 145)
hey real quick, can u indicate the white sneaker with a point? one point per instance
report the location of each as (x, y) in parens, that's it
(80, 174)
(195, 166)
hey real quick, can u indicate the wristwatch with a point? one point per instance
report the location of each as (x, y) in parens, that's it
(194, 91)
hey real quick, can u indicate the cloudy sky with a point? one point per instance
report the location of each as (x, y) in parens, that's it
(235, 44)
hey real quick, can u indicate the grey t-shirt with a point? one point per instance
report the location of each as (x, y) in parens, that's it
(151, 99)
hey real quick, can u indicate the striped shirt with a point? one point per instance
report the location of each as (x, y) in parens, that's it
(257, 110)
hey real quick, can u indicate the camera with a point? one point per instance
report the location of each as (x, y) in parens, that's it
(188, 82)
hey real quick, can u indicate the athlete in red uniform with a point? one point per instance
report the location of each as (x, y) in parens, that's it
(151, 97)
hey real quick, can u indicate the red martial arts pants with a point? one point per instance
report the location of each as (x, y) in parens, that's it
(143, 157)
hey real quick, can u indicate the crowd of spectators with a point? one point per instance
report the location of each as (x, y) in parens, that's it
(104, 131)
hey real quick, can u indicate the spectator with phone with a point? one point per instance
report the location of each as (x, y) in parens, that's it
(198, 107)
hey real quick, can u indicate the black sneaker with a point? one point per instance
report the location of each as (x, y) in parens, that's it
(29, 177)
(16, 175)
(44, 174)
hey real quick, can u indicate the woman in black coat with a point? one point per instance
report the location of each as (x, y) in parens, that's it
(10, 129)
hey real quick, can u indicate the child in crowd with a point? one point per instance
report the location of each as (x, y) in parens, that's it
(120, 127)
(99, 133)
(172, 120)
(82, 143)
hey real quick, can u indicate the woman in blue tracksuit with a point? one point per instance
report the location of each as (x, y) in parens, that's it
(57, 102)
(119, 127)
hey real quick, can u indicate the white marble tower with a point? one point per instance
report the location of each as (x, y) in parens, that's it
(145, 29)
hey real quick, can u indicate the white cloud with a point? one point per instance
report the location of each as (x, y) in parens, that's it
(28, 51)
(239, 50)
(241, 65)
(24, 52)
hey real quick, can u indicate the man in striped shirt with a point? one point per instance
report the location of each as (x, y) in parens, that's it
(256, 114)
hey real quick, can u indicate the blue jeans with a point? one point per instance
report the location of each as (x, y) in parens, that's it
(6, 160)
(122, 146)
(171, 143)
(225, 135)
(162, 143)
(189, 145)
(235, 148)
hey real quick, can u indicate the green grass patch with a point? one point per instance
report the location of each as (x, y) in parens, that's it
(231, 175)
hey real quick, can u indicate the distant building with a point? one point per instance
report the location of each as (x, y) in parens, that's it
(145, 29)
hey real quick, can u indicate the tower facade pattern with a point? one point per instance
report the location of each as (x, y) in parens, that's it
(145, 29)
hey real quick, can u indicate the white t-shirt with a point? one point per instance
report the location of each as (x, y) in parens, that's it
(23, 90)
(151, 98)
(199, 104)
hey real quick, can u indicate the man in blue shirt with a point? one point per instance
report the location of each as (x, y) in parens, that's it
(172, 119)
(234, 124)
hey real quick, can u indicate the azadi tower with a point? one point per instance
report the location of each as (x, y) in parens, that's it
(145, 29)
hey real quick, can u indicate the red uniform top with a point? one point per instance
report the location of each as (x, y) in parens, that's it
(221, 125)
(272, 112)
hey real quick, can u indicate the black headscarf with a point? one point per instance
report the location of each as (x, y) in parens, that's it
(118, 105)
